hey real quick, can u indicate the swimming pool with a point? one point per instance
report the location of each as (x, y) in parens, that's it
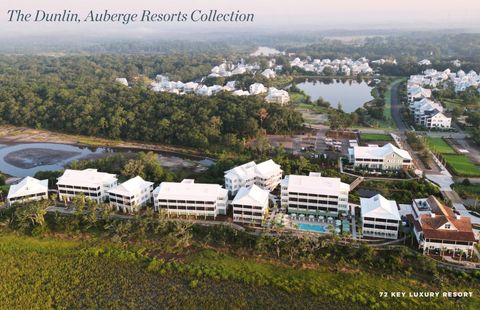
(312, 227)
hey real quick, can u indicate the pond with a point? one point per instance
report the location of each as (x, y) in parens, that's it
(351, 94)
(25, 159)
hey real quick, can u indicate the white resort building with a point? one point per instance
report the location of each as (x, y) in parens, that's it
(266, 175)
(438, 228)
(190, 198)
(314, 195)
(250, 205)
(93, 184)
(387, 157)
(131, 195)
(28, 189)
(279, 96)
(380, 217)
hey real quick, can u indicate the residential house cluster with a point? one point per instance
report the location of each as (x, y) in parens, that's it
(426, 112)
(345, 66)
(163, 84)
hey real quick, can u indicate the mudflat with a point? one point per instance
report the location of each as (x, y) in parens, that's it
(34, 157)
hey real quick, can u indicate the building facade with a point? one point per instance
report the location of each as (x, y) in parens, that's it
(191, 199)
(89, 182)
(250, 205)
(387, 157)
(28, 189)
(131, 195)
(380, 217)
(314, 195)
(441, 230)
(267, 175)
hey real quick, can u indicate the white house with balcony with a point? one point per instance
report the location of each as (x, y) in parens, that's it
(28, 189)
(380, 217)
(314, 195)
(131, 195)
(387, 157)
(89, 182)
(250, 205)
(267, 175)
(191, 199)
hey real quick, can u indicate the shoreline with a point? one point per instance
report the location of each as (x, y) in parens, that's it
(10, 135)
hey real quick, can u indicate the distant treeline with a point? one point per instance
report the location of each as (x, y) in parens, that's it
(77, 94)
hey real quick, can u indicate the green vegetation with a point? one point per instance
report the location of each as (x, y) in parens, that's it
(375, 137)
(461, 165)
(467, 190)
(125, 263)
(420, 147)
(402, 191)
(438, 145)
(75, 275)
(77, 94)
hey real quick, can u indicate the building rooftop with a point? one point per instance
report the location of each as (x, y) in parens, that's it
(131, 187)
(27, 186)
(314, 184)
(251, 169)
(189, 190)
(379, 207)
(376, 152)
(86, 177)
(433, 227)
(251, 196)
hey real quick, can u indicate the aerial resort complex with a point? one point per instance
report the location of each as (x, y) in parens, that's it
(240, 155)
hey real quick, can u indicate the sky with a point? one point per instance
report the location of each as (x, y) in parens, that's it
(272, 16)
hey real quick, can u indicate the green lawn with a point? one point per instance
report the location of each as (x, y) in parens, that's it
(468, 191)
(451, 103)
(462, 165)
(67, 274)
(375, 137)
(438, 145)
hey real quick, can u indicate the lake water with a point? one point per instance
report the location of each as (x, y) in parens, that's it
(25, 159)
(350, 93)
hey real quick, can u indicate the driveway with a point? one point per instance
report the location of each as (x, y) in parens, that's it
(397, 108)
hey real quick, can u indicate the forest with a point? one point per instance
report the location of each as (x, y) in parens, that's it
(77, 94)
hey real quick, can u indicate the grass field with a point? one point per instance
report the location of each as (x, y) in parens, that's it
(375, 137)
(462, 165)
(452, 103)
(68, 274)
(438, 145)
(468, 191)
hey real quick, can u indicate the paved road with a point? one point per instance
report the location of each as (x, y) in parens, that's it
(397, 108)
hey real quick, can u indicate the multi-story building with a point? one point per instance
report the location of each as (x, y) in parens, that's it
(279, 96)
(89, 182)
(380, 217)
(267, 175)
(387, 157)
(250, 205)
(429, 114)
(442, 230)
(190, 198)
(315, 195)
(28, 189)
(131, 195)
